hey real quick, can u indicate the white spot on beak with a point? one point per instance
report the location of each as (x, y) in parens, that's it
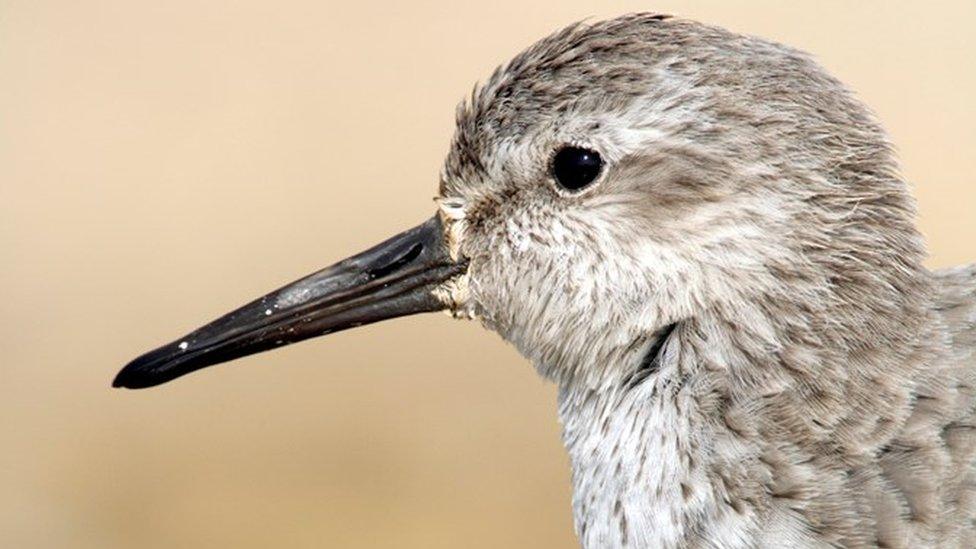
(184, 345)
(294, 296)
(267, 312)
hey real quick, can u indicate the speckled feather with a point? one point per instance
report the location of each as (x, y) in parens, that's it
(818, 389)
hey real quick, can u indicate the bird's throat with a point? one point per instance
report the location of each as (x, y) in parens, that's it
(641, 477)
(633, 466)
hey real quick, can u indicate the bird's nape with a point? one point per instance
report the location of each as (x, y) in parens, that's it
(395, 278)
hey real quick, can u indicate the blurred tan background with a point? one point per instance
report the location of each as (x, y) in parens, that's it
(162, 162)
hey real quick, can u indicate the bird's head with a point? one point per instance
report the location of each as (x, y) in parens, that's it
(613, 180)
(618, 178)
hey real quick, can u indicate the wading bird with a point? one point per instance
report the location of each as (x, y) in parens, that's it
(704, 240)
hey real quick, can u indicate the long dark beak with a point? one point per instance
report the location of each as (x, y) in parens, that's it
(395, 278)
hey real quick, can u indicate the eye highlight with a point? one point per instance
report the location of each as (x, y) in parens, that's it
(574, 168)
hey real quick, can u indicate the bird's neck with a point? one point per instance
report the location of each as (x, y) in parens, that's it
(697, 448)
(672, 456)
(633, 457)
(634, 447)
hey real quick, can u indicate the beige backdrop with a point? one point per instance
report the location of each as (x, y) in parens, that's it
(162, 162)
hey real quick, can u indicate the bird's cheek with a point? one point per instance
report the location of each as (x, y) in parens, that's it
(484, 294)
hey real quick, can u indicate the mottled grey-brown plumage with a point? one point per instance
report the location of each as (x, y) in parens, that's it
(818, 389)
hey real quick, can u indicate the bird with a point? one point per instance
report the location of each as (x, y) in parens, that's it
(704, 240)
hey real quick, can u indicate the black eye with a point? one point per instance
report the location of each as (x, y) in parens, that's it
(574, 167)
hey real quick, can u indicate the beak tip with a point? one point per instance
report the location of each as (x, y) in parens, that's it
(126, 380)
(138, 374)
